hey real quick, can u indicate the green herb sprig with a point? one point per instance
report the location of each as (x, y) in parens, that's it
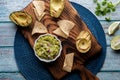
(104, 7)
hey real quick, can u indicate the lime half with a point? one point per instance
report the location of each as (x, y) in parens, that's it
(115, 43)
(113, 27)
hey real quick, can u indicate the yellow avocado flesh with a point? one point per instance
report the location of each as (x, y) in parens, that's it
(21, 18)
(83, 43)
(56, 7)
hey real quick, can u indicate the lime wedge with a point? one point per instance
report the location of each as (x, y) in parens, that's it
(113, 27)
(115, 43)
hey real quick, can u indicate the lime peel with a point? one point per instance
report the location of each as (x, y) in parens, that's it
(113, 28)
(115, 43)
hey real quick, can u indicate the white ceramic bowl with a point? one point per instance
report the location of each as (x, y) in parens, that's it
(45, 60)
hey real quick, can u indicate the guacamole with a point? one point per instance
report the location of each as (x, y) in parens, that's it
(47, 47)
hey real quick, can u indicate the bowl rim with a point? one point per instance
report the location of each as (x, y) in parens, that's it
(44, 60)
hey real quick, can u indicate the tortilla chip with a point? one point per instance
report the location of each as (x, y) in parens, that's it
(66, 26)
(68, 62)
(59, 32)
(39, 7)
(39, 28)
(37, 16)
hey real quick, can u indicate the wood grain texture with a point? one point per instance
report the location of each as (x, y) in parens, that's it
(11, 76)
(8, 6)
(8, 67)
(112, 61)
(7, 34)
(7, 60)
(101, 75)
(109, 75)
(67, 44)
(7, 63)
(8, 31)
(91, 6)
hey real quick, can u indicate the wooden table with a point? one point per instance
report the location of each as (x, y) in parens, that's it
(8, 67)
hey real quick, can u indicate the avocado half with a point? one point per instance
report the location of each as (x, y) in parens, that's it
(21, 18)
(56, 7)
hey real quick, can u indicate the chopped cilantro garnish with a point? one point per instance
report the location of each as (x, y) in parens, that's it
(104, 7)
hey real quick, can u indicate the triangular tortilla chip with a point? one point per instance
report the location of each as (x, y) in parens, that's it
(39, 6)
(66, 26)
(39, 28)
(68, 62)
(59, 32)
(37, 16)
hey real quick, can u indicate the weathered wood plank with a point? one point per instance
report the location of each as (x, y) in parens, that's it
(109, 75)
(11, 76)
(7, 60)
(6, 41)
(91, 6)
(8, 6)
(101, 75)
(105, 26)
(112, 61)
(8, 30)
(7, 34)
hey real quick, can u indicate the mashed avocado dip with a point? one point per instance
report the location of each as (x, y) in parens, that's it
(47, 47)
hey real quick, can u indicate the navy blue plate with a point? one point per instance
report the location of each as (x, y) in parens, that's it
(32, 68)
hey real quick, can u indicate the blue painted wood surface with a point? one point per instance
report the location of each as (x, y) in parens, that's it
(8, 67)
